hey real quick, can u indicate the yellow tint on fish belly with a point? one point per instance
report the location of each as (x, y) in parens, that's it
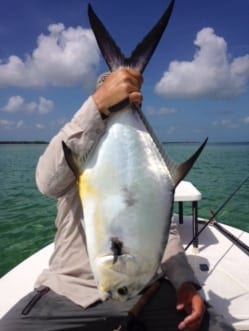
(85, 188)
(89, 197)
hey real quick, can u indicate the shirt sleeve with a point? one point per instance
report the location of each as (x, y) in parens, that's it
(53, 175)
(174, 262)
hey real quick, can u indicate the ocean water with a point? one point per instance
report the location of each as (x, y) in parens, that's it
(27, 217)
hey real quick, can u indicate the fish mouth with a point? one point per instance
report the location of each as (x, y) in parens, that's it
(114, 279)
(125, 266)
(107, 260)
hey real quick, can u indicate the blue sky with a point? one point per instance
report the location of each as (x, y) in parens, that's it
(196, 84)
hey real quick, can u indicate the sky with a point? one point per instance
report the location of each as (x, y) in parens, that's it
(195, 86)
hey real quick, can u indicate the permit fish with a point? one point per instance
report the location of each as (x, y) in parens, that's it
(126, 183)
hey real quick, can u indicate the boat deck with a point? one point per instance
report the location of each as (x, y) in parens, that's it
(225, 282)
(225, 278)
(20, 280)
(222, 269)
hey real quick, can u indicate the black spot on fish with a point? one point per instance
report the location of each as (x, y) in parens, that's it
(116, 247)
(129, 197)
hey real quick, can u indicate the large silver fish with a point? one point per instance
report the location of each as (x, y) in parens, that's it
(126, 185)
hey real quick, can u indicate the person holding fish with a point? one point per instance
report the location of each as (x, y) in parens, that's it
(66, 295)
(118, 263)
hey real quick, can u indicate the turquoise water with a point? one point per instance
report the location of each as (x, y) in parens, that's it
(27, 217)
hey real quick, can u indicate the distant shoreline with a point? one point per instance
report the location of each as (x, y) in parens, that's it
(41, 142)
(23, 142)
(209, 142)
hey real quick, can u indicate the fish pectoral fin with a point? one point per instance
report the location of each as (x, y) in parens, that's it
(71, 159)
(116, 247)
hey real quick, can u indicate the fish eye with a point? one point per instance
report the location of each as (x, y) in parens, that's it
(122, 290)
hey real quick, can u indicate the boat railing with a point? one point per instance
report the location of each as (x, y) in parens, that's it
(186, 191)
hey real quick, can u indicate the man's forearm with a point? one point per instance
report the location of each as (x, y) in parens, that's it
(175, 263)
(53, 176)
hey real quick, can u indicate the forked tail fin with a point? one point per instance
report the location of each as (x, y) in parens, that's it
(142, 53)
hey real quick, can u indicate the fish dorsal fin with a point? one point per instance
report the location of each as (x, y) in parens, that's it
(177, 170)
(142, 53)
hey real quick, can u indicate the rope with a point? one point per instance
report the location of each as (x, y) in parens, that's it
(217, 212)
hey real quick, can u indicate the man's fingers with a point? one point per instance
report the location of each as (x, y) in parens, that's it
(191, 322)
(118, 86)
(136, 97)
(180, 306)
(136, 75)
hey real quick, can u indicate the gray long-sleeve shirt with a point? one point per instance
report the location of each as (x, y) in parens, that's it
(69, 272)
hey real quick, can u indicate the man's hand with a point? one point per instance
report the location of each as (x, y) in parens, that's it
(123, 83)
(189, 300)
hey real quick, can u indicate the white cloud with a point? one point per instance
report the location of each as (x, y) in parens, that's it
(45, 106)
(211, 73)
(63, 57)
(14, 104)
(171, 129)
(17, 104)
(40, 126)
(246, 120)
(6, 125)
(20, 124)
(229, 124)
(58, 123)
(150, 110)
